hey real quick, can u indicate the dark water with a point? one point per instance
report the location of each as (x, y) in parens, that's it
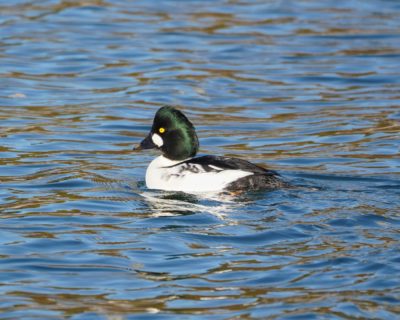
(308, 88)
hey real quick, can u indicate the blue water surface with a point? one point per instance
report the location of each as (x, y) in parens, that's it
(308, 88)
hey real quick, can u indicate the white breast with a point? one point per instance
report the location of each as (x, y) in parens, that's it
(159, 176)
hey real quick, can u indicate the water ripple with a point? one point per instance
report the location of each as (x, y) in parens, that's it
(308, 88)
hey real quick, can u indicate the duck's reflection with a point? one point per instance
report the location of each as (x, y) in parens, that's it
(163, 203)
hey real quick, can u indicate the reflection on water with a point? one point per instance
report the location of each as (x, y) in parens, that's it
(308, 88)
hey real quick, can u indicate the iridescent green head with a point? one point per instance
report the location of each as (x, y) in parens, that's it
(173, 134)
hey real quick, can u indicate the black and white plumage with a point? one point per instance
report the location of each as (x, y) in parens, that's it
(260, 178)
(178, 170)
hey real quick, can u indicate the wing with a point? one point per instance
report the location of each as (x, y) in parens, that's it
(196, 171)
(216, 163)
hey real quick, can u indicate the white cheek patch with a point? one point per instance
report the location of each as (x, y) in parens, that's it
(157, 140)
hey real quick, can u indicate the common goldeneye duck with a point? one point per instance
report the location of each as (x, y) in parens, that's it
(177, 169)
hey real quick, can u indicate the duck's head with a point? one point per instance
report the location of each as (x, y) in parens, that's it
(173, 134)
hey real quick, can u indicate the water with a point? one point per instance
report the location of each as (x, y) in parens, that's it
(308, 88)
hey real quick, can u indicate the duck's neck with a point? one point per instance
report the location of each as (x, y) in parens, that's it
(162, 161)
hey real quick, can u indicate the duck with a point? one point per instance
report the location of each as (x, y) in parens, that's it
(178, 168)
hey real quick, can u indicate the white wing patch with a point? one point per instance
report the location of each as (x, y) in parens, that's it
(215, 167)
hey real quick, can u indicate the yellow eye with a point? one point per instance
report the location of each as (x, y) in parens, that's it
(161, 130)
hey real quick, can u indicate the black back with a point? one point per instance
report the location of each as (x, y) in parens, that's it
(226, 163)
